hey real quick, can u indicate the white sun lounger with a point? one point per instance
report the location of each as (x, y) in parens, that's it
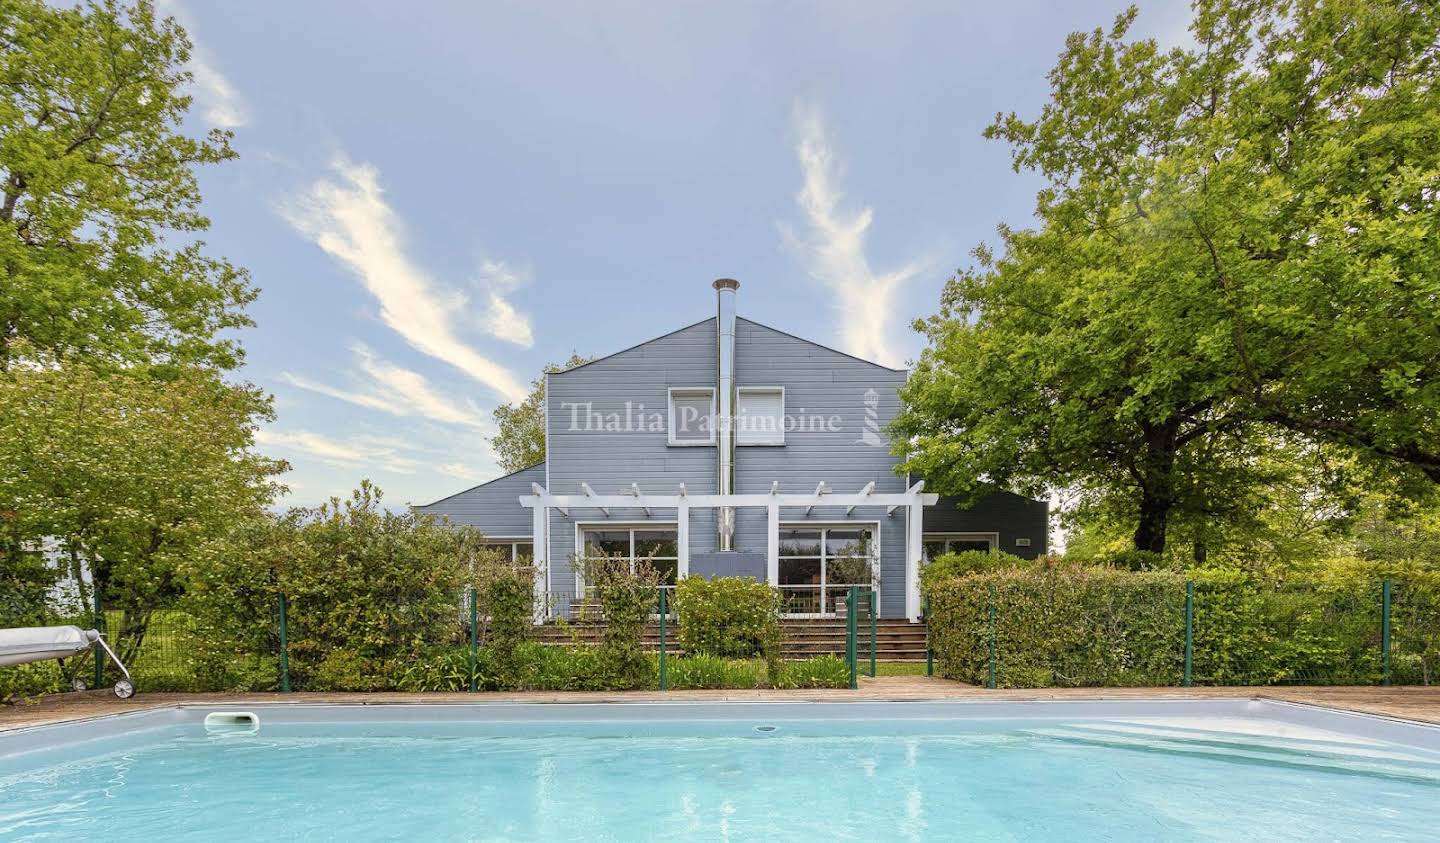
(26, 644)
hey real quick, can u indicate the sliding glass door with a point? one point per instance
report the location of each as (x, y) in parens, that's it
(819, 564)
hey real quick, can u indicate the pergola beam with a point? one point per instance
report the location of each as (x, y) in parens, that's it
(635, 490)
(913, 490)
(802, 500)
(820, 490)
(864, 493)
(539, 492)
(590, 493)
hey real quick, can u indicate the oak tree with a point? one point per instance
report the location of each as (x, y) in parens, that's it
(1236, 241)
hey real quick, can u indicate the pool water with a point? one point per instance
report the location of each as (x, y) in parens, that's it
(1134, 779)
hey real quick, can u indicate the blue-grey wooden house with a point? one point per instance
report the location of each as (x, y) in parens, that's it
(730, 447)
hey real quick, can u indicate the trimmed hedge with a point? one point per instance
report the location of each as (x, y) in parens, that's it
(949, 565)
(1102, 627)
(1060, 627)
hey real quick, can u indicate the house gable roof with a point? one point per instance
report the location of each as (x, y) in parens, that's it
(739, 319)
(830, 349)
(539, 465)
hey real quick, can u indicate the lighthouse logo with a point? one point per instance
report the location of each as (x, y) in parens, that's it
(870, 430)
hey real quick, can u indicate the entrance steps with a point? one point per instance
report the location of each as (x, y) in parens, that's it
(897, 639)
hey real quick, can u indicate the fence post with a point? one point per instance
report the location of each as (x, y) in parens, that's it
(1189, 633)
(929, 651)
(851, 656)
(474, 638)
(284, 649)
(874, 638)
(99, 625)
(1385, 632)
(664, 680)
(990, 679)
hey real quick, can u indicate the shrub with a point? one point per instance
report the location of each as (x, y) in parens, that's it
(949, 565)
(1414, 614)
(817, 672)
(440, 669)
(1253, 632)
(729, 617)
(506, 594)
(347, 670)
(1101, 626)
(1137, 560)
(369, 592)
(628, 594)
(1068, 627)
(232, 597)
(542, 668)
(701, 672)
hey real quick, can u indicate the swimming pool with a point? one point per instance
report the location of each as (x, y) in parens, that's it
(1180, 769)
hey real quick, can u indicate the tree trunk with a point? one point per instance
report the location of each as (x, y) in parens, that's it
(1157, 484)
(1154, 517)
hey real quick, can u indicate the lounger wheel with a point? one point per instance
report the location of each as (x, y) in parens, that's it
(124, 689)
(78, 684)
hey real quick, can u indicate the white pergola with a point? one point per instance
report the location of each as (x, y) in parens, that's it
(912, 500)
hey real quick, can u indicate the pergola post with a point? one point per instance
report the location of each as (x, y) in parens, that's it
(541, 552)
(772, 543)
(682, 541)
(914, 550)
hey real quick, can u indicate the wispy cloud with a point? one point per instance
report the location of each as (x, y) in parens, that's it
(395, 390)
(352, 453)
(500, 319)
(347, 216)
(458, 469)
(834, 246)
(222, 105)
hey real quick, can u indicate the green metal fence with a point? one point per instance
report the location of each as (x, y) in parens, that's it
(1374, 633)
(1370, 633)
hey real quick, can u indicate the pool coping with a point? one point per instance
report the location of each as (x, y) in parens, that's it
(135, 723)
(1413, 704)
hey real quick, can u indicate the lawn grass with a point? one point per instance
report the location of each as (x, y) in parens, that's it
(896, 668)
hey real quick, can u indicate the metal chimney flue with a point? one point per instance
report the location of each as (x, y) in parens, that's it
(725, 404)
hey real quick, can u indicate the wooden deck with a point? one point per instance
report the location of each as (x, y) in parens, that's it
(1410, 703)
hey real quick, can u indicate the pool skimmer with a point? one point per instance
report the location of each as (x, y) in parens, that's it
(232, 722)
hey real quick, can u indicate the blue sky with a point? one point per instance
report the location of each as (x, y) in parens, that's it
(438, 199)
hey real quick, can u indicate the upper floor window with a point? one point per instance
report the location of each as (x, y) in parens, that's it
(692, 413)
(760, 415)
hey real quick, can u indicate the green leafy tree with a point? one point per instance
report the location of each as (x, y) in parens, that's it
(94, 172)
(131, 472)
(520, 440)
(1235, 244)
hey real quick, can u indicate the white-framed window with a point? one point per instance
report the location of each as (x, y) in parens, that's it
(936, 544)
(654, 542)
(760, 415)
(522, 551)
(692, 415)
(820, 562)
